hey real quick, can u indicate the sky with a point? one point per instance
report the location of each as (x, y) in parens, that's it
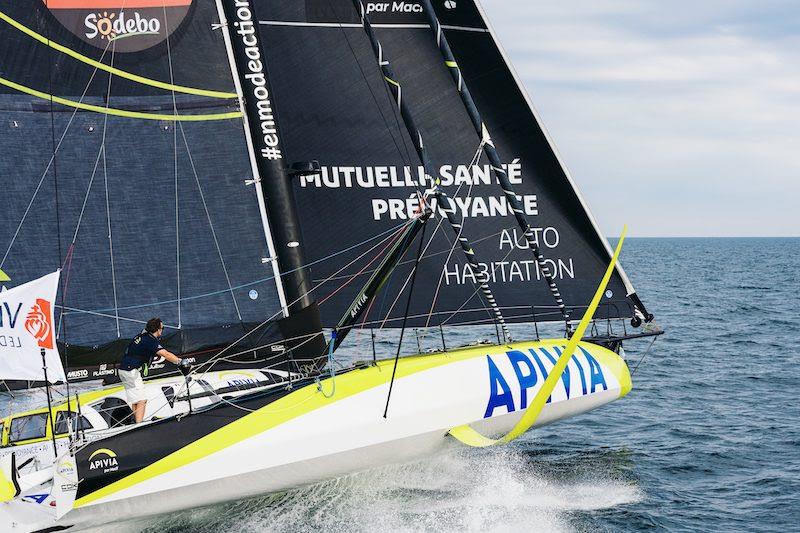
(679, 118)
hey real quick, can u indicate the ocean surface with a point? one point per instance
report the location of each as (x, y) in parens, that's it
(709, 438)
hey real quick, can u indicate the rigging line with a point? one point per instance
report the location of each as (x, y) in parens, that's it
(385, 294)
(440, 252)
(118, 112)
(430, 241)
(361, 271)
(99, 65)
(478, 309)
(58, 223)
(633, 372)
(416, 262)
(280, 312)
(475, 160)
(216, 359)
(68, 263)
(107, 315)
(444, 202)
(405, 317)
(49, 163)
(211, 224)
(262, 280)
(391, 276)
(108, 204)
(175, 165)
(496, 263)
(491, 153)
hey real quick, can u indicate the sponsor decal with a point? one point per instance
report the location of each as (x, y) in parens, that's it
(103, 460)
(530, 368)
(66, 469)
(121, 25)
(244, 28)
(36, 498)
(78, 374)
(244, 382)
(38, 323)
(103, 370)
(393, 7)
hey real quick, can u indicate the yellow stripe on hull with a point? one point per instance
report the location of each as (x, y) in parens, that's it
(360, 388)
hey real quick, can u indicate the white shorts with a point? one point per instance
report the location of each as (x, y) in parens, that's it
(134, 385)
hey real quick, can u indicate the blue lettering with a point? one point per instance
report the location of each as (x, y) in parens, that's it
(38, 498)
(541, 367)
(526, 381)
(595, 372)
(580, 368)
(565, 377)
(497, 383)
(12, 320)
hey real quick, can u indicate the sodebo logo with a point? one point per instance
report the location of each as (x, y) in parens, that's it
(127, 25)
(109, 26)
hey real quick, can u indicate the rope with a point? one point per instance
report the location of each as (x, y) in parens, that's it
(644, 355)
(50, 162)
(331, 368)
(405, 318)
(167, 32)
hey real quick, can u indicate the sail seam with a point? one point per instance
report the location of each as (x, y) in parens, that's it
(302, 24)
(108, 205)
(175, 166)
(114, 111)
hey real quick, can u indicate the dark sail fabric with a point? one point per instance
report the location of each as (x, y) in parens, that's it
(333, 106)
(146, 216)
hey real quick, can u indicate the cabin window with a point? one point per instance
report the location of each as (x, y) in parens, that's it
(28, 427)
(114, 411)
(78, 422)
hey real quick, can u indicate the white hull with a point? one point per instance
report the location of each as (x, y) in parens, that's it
(273, 449)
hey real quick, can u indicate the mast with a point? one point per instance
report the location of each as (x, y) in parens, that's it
(444, 201)
(271, 176)
(491, 153)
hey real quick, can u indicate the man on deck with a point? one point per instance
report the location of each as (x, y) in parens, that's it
(138, 355)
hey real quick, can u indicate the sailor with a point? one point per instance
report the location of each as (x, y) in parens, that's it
(138, 355)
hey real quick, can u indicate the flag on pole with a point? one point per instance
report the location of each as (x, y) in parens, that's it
(27, 328)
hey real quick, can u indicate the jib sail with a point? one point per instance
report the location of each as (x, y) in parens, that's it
(334, 107)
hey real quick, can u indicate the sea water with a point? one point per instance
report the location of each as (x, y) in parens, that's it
(709, 438)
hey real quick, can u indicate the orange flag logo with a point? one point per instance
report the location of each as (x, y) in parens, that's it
(39, 324)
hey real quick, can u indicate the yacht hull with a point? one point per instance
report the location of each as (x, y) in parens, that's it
(323, 430)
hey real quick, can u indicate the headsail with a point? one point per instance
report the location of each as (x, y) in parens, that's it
(334, 108)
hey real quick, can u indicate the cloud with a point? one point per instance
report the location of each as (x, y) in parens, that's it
(680, 118)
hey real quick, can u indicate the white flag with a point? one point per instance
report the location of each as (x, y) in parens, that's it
(27, 328)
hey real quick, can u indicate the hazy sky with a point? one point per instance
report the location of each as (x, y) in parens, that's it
(679, 118)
